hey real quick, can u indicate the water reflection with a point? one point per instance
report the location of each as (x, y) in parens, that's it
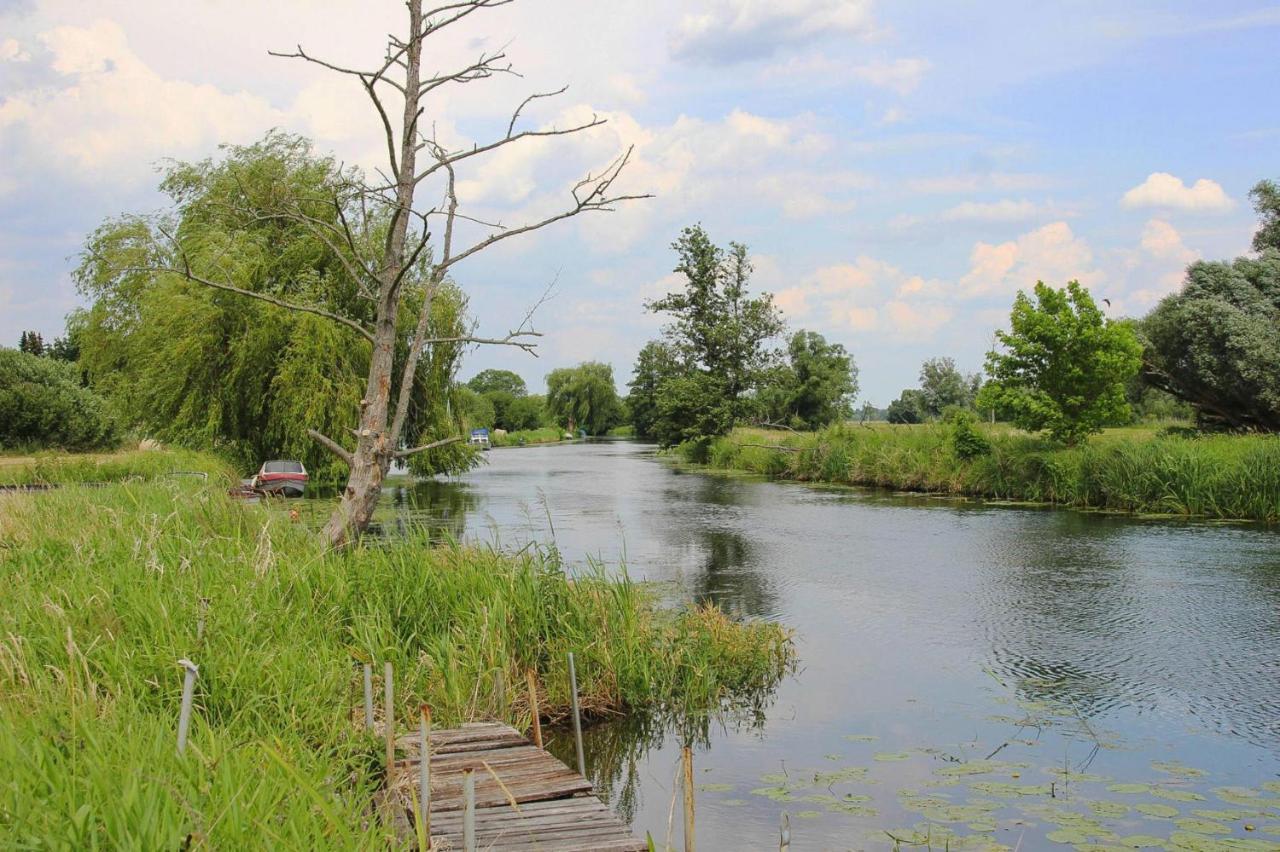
(929, 630)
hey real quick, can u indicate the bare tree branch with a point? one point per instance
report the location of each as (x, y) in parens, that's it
(404, 454)
(376, 76)
(331, 445)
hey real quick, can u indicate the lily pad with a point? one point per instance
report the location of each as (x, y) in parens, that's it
(1109, 809)
(808, 814)
(715, 788)
(1001, 788)
(1273, 786)
(978, 767)
(778, 794)
(1202, 826)
(1155, 809)
(1176, 795)
(861, 738)
(840, 776)
(889, 756)
(733, 803)
(834, 756)
(1171, 767)
(1067, 835)
(1141, 841)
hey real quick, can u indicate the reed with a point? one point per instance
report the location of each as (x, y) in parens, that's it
(1132, 470)
(103, 591)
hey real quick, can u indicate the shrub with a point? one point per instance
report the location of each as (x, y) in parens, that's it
(966, 440)
(42, 404)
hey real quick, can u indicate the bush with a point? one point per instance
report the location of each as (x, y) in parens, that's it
(966, 440)
(42, 404)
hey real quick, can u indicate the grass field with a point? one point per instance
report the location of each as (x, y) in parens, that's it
(103, 594)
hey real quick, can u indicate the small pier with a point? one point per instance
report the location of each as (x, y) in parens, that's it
(525, 799)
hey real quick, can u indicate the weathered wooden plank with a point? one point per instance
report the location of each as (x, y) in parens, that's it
(553, 807)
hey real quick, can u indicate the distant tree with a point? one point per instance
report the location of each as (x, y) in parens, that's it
(815, 388)
(584, 397)
(31, 343)
(475, 409)
(909, 407)
(42, 404)
(488, 381)
(945, 387)
(527, 412)
(1063, 367)
(691, 407)
(656, 363)
(1266, 200)
(717, 330)
(1216, 344)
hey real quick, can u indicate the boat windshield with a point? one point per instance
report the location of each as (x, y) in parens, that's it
(282, 467)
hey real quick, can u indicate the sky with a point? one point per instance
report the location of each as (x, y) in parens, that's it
(898, 170)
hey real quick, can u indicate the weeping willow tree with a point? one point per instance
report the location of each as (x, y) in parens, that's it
(205, 367)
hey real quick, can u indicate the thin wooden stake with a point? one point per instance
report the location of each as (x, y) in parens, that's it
(424, 771)
(469, 809)
(368, 696)
(500, 692)
(533, 706)
(577, 718)
(686, 757)
(784, 839)
(389, 723)
(188, 692)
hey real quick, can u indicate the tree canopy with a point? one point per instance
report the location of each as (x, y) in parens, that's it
(718, 334)
(1216, 343)
(944, 386)
(43, 405)
(1266, 200)
(1064, 367)
(488, 381)
(584, 397)
(204, 367)
(816, 386)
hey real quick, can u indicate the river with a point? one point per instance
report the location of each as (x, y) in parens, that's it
(970, 674)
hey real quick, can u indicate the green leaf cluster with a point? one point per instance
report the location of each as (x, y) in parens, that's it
(43, 405)
(584, 397)
(1063, 367)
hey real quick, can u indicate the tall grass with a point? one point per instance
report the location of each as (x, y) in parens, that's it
(67, 469)
(103, 592)
(1132, 470)
(541, 435)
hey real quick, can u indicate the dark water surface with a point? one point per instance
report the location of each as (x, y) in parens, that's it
(973, 675)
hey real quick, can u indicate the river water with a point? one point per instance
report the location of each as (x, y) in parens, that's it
(971, 675)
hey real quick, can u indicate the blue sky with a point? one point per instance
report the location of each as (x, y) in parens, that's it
(898, 170)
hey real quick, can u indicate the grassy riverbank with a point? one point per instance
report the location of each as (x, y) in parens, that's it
(102, 597)
(1132, 470)
(525, 437)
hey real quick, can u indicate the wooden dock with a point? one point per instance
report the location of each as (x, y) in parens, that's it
(526, 799)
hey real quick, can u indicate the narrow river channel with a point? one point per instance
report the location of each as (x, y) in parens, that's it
(970, 675)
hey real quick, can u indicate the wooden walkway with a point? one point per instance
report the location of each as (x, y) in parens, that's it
(553, 806)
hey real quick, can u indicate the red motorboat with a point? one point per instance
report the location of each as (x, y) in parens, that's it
(282, 478)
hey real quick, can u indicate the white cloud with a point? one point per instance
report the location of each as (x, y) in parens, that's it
(1166, 191)
(978, 182)
(12, 51)
(898, 75)
(1052, 254)
(1156, 269)
(737, 30)
(1005, 210)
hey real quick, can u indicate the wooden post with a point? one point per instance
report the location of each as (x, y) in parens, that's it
(686, 756)
(500, 692)
(533, 706)
(469, 809)
(784, 839)
(424, 772)
(368, 696)
(389, 722)
(577, 719)
(188, 691)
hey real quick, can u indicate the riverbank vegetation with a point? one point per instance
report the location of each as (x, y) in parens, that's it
(1138, 469)
(105, 590)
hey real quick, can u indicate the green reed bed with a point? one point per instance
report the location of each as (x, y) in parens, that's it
(1131, 470)
(103, 592)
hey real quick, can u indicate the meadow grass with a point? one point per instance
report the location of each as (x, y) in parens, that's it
(103, 592)
(1137, 469)
(53, 468)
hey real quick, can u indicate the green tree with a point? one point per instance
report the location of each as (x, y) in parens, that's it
(815, 388)
(31, 343)
(718, 330)
(944, 386)
(488, 381)
(203, 367)
(42, 404)
(584, 397)
(909, 407)
(527, 412)
(1266, 200)
(475, 409)
(1064, 367)
(656, 363)
(1216, 344)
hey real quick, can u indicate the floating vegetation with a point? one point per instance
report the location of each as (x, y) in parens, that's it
(715, 788)
(1176, 795)
(778, 794)
(1131, 789)
(1155, 809)
(980, 767)
(889, 756)
(1109, 809)
(1245, 796)
(861, 738)
(1179, 769)
(1006, 790)
(1202, 826)
(808, 814)
(1141, 841)
(840, 776)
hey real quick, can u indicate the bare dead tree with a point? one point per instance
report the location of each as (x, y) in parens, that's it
(409, 254)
